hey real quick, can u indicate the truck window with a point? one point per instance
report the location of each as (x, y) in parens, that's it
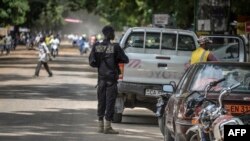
(135, 40)
(186, 43)
(152, 40)
(168, 41)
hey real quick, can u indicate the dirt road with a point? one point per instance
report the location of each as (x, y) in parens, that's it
(62, 107)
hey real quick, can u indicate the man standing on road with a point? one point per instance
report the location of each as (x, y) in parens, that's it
(201, 54)
(106, 56)
(44, 57)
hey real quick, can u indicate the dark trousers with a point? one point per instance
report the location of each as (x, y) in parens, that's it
(7, 48)
(106, 94)
(39, 65)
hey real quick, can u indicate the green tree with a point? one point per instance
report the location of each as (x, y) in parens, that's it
(128, 13)
(50, 13)
(118, 13)
(140, 12)
(51, 16)
(240, 7)
(13, 12)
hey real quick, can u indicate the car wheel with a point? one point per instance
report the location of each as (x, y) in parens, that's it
(161, 123)
(167, 135)
(117, 117)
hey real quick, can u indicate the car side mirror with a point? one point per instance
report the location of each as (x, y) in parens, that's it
(168, 88)
(173, 84)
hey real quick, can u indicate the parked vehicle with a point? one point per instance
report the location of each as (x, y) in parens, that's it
(161, 104)
(157, 56)
(195, 79)
(210, 117)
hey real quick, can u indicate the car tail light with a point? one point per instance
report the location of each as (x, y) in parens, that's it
(121, 66)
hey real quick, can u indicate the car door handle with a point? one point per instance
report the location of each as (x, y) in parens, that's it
(162, 65)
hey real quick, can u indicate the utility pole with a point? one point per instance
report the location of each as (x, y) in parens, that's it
(195, 15)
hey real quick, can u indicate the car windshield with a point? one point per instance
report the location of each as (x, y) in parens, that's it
(211, 72)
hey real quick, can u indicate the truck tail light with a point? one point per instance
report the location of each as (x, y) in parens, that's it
(121, 66)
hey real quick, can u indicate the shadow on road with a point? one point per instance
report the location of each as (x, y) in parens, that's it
(58, 125)
(61, 108)
(75, 92)
(63, 125)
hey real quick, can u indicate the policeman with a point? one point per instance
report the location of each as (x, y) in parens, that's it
(106, 56)
(201, 54)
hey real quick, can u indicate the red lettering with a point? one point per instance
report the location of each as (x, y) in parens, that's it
(232, 109)
(236, 109)
(242, 108)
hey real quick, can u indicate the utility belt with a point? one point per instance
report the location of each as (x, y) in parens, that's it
(110, 80)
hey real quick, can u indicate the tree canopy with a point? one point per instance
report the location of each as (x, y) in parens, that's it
(13, 12)
(49, 14)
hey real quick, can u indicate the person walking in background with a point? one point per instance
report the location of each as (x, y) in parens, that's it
(2, 44)
(92, 41)
(201, 54)
(48, 39)
(81, 44)
(54, 43)
(106, 56)
(8, 42)
(44, 57)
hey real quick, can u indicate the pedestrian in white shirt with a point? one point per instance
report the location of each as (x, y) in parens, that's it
(8, 41)
(44, 57)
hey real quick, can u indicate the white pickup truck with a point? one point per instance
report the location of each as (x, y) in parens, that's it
(157, 56)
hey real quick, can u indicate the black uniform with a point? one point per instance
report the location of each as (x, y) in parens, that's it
(106, 57)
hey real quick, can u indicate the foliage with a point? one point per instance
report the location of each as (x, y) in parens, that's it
(130, 13)
(50, 13)
(13, 12)
(240, 7)
(50, 16)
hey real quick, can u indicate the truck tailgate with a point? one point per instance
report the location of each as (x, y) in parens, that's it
(154, 68)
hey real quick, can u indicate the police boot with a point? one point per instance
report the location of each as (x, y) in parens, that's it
(100, 126)
(108, 129)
